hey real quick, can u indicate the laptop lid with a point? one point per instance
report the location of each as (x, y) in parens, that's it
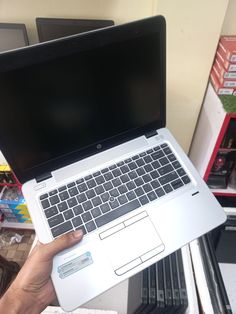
(54, 28)
(70, 98)
(12, 36)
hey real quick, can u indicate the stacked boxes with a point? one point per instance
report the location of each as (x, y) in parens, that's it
(223, 72)
(12, 203)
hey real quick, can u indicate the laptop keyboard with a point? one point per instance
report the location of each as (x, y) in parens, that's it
(99, 198)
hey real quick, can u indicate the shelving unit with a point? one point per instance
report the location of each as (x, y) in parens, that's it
(14, 211)
(208, 141)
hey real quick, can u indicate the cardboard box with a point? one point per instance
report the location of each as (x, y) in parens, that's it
(219, 88)
(12, 205)
(221, 70)
(229, 67)
(227, 48)
(15, 213)
(225, 82)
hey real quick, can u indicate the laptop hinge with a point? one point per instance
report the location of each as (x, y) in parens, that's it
(43, 177)
(151, 133)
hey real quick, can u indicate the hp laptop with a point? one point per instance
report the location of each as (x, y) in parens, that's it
(84, 131)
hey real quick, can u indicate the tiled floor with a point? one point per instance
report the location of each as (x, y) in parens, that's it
(18, 252)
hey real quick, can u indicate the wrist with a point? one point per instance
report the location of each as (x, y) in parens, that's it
(17, 301)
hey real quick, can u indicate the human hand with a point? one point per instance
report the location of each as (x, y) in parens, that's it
(32, 290)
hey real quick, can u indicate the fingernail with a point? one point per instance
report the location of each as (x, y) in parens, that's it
(78, 233)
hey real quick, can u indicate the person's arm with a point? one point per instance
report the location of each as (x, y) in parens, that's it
(32, 290)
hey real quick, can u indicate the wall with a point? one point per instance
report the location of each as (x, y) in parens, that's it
(26, 11)
(193, 28)
(229, 25)
(192, 36)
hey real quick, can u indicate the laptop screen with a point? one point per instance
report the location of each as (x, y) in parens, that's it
(53, 28)
(61, 99)
(12, 36)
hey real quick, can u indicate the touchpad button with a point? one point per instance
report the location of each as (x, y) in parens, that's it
(131, 242)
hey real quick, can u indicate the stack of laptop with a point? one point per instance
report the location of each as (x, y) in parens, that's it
(160, 288)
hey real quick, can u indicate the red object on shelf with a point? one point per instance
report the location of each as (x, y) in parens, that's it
(220, 88)
(224, 193)
(221, 135)
(217, 144)
(10, 184)
(224, 81)
(230, 67)
(221, 72)
(227, 48)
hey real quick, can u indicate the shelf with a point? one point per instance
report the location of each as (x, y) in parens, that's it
(224, 192)
(15, 206)
(16, 225)
(221, 149)
(230, 210)
(11, 184)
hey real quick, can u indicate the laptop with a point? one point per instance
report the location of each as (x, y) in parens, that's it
(12, 36)
(54, 28)
(84, 131)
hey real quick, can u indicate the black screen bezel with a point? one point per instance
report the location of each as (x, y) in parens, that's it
(61, 47)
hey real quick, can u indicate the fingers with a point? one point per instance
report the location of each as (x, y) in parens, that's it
(63, 242)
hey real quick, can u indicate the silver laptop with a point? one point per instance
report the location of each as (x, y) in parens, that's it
(84, 131)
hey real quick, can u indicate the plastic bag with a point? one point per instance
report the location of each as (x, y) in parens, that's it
(9, 238)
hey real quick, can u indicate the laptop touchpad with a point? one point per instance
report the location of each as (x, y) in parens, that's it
(133, 241)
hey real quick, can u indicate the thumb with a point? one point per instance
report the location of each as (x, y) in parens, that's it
(61, 243)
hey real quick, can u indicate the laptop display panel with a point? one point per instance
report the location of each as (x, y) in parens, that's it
(76, 96)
